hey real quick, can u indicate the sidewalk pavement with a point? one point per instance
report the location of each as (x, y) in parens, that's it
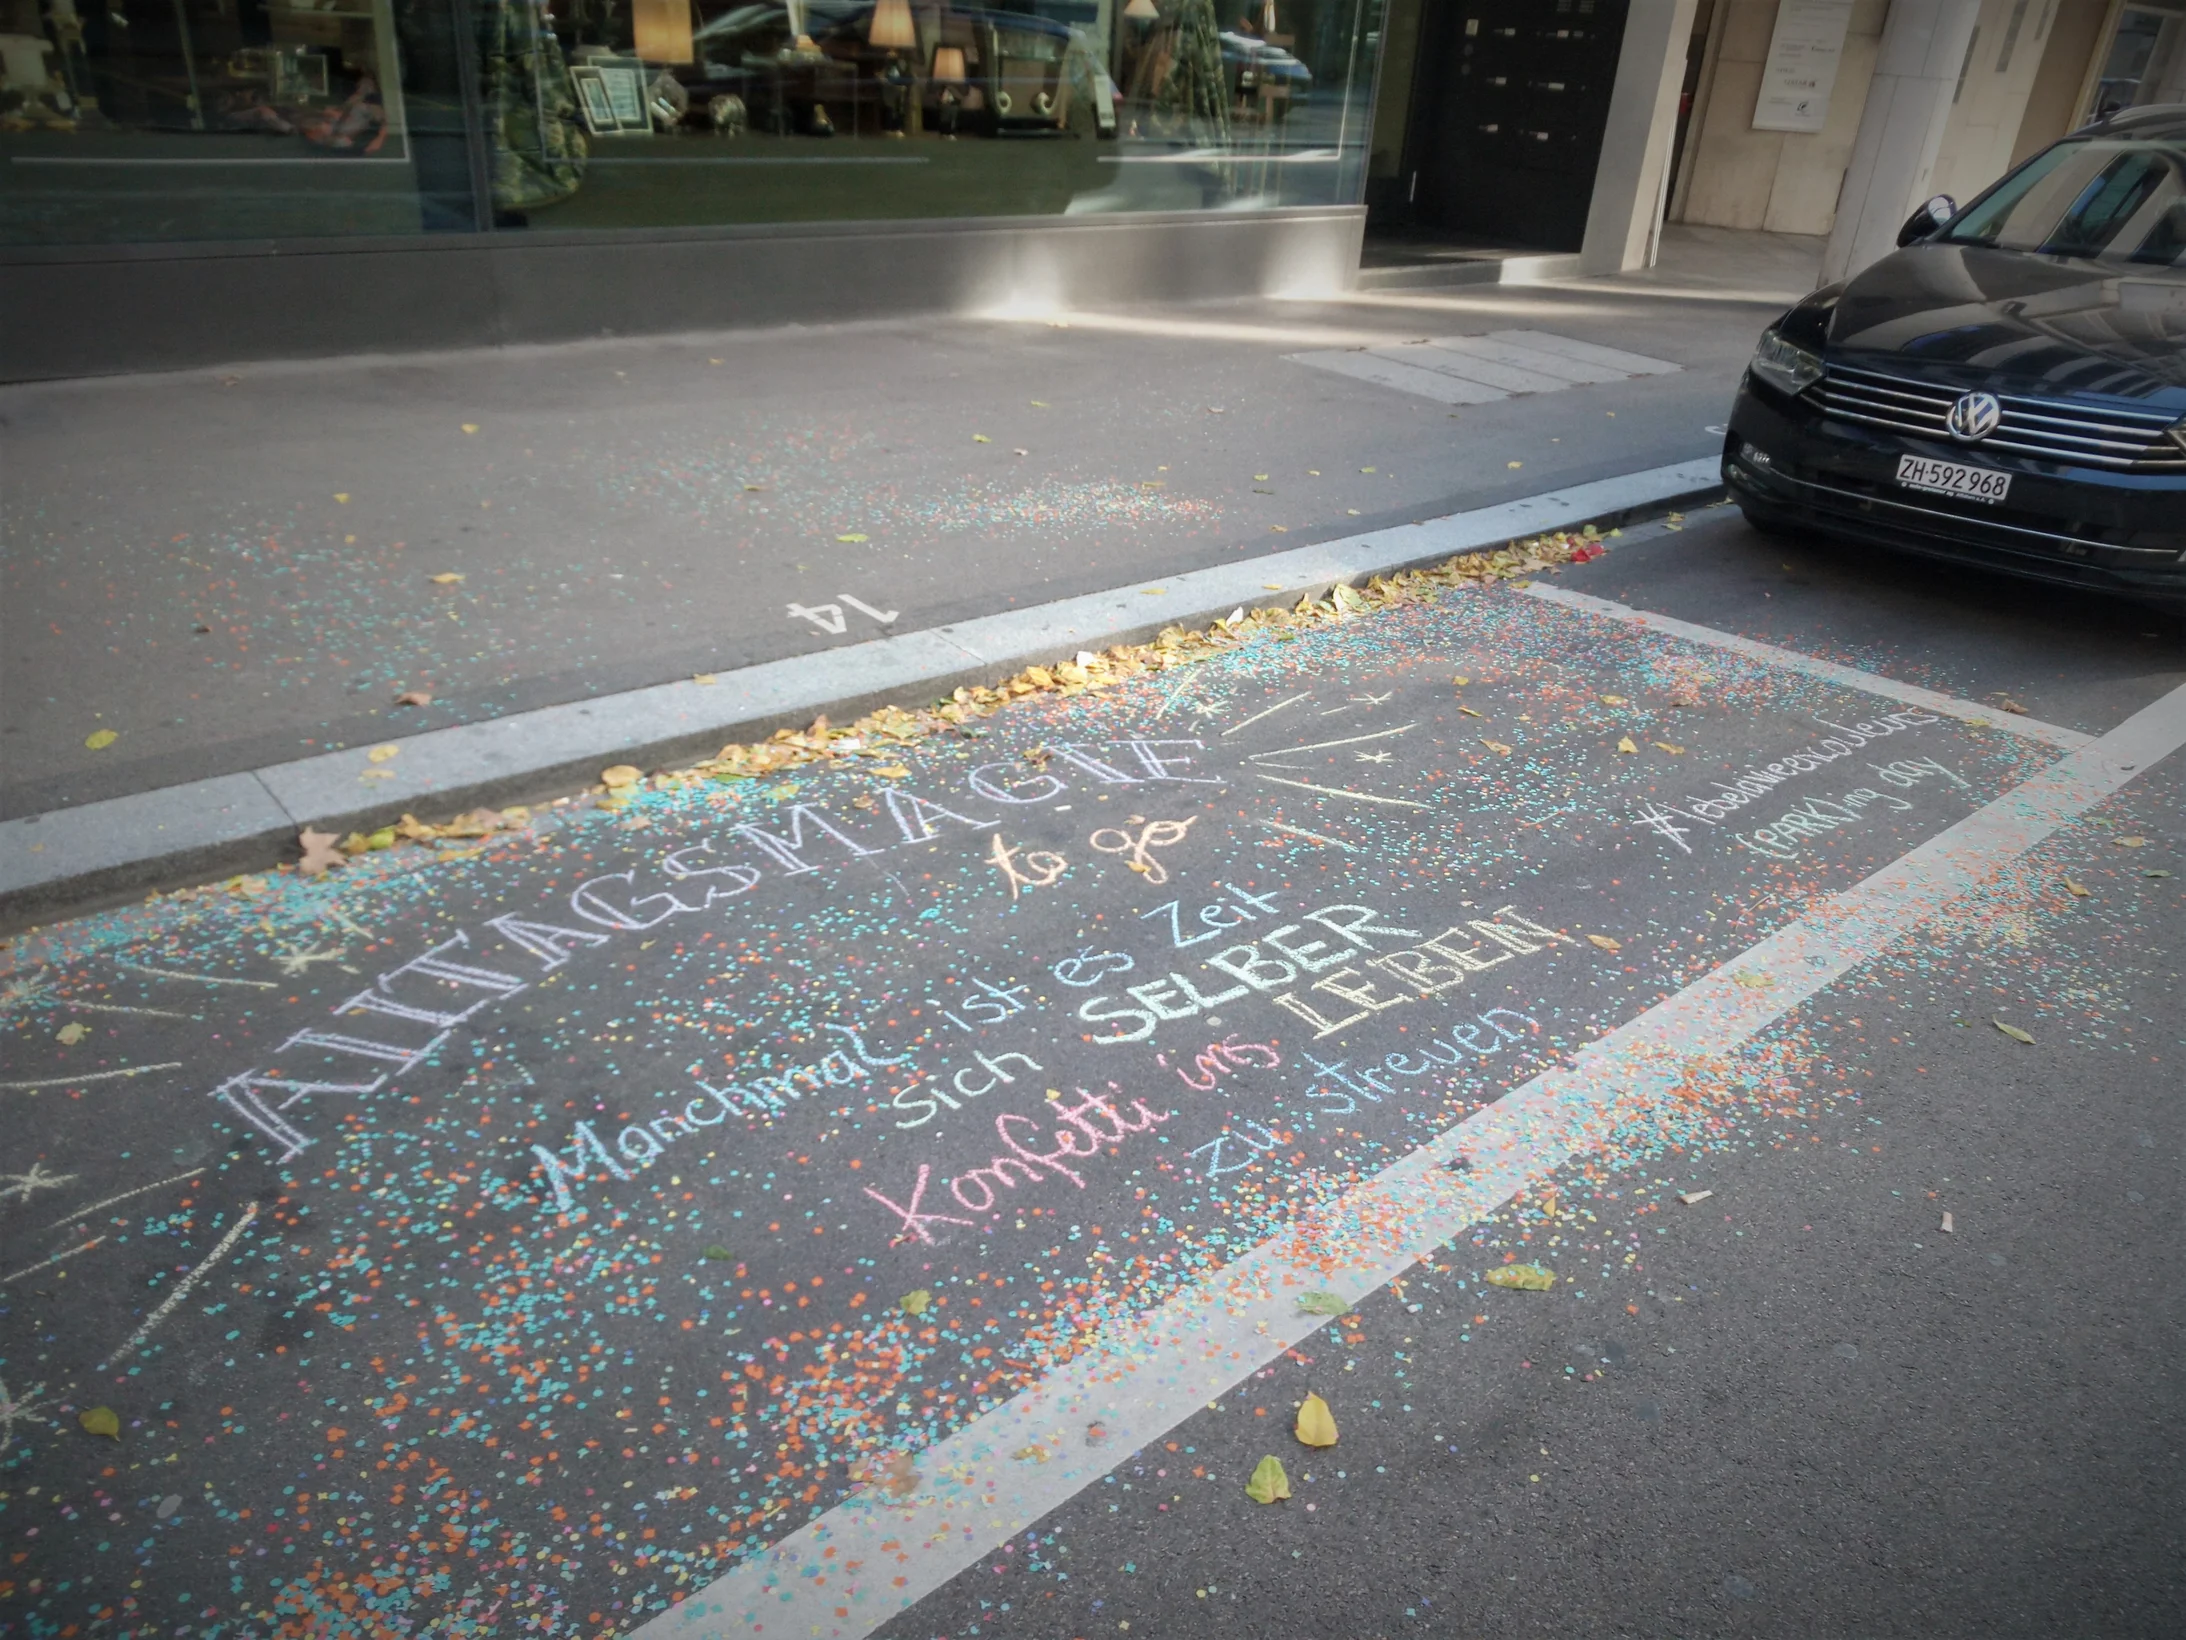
(212, 573)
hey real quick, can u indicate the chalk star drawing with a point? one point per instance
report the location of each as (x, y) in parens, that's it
(300, 959)
(1371, 757)
(1375, 700)
(25, 1411)
(20, 1187)
(26, 991)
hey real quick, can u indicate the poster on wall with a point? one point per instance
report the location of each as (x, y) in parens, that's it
(1801, 70)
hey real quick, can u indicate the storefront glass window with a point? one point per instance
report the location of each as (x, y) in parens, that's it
(146, 120)
(149, 120)
(692, 112)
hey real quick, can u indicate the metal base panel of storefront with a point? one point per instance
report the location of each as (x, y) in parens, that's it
(112, 311)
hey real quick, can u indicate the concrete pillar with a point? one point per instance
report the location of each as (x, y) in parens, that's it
(1917, 65)
(1632, 179)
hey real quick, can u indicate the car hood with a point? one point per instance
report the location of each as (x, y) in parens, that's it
(2018, 323)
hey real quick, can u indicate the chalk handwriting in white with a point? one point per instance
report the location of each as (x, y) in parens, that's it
(1759, 780)
(1213, 918)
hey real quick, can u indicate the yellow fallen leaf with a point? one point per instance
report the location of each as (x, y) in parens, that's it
(470, 427)
(100, 1421)
(2132, 842)
(448, 579)
(894, 771)
(1032, 1454)
(1039, 404)
(1514, 464)
(1615, 700)
(1754, 982)
(915, 1301)
(1316, 1424)
(1268, 1484)
(1469, 712)
(342, 499)
(702, 677)
(1496, 746)
(621, 775)
(2076, 888)
(1366, 469)
(1605, 942)
(1138, 865)
(99, 739)
(981, 438)
(72, 1033)
(850, 538)
(2013, 1031)
(1625, 745)
(1461, 682)
(1262, 477)
(1524, 1278)
(760, 487)
(380, 754)
(1271, 586)
(1665, 746)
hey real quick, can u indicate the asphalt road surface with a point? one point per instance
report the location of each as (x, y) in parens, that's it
(902, 1197)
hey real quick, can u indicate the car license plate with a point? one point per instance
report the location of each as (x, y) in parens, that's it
(1953, 478)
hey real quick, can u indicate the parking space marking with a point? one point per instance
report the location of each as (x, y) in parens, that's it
(860, 1563)
(1850, 677)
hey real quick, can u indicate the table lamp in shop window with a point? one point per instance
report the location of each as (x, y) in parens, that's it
(949, 75)
(892, 30)
(663, 30)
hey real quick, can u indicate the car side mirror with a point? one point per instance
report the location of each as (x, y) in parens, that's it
(1932, 217)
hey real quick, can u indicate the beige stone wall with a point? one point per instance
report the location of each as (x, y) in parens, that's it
(1992, 95)
(1780, 181)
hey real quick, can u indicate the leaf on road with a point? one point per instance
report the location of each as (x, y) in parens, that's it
(1324, 1303)
(321, 850)
(1469, 712)
(1754, 982)
(621, 775)
(1615, 700)
(1525, 1278)
(1496, 746)
(894, 771)
(1039, 404)
(2013, 1031)
(718, 1254)
(380, 754)
(414, 697)
(1693, 1198)
(981, 438)
(2079, 889)
(850, 538)
(447, 578)
(100, 1421)
(1268, 1484)
(470, 427)
(899, 1475)
(1316, 1424)
(1605, 942)
(1032, 1454)
(1626, 745)
(2009, 705)
(915, 1301)
(1461, 682)
(1665, 746)
(2155, 874)
(342, 497)
(99, 739)
(72, 1033)
(2132, 842)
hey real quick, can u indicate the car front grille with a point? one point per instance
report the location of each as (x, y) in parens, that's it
(2077, 435)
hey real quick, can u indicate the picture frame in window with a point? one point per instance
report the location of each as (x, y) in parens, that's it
(624, 79)
(593, 102)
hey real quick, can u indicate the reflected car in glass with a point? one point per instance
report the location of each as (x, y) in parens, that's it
(2008, 388)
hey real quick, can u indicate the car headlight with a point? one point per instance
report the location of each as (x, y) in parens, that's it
(1785, 366)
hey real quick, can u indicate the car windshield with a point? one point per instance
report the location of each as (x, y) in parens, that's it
(2118, 201)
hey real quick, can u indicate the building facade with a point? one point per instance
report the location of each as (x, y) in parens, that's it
(185, 182)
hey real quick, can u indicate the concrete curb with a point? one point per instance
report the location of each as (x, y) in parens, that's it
(80, 859)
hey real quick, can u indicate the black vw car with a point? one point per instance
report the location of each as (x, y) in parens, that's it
(2008, 389)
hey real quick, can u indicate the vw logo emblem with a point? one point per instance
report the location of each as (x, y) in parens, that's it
(1974, 417)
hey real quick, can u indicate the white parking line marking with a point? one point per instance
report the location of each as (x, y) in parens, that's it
(1405, 378)
(1851, 677)
(1485, 368)
(834, 1580)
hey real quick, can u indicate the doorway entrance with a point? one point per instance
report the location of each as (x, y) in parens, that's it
(1504, 103)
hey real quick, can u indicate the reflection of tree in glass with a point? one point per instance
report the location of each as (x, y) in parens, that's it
(1189, 87)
